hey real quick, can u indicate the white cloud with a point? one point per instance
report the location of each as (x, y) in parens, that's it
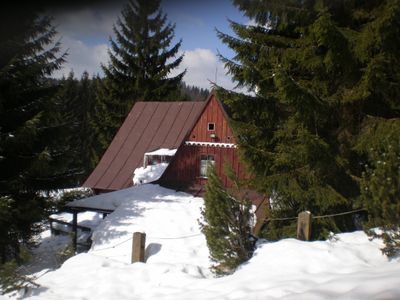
(203, 67)
(82, 57)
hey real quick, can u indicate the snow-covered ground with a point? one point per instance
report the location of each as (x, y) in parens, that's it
(349, 266)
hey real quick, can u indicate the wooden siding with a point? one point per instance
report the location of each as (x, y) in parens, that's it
(184, 170)
(213, 113)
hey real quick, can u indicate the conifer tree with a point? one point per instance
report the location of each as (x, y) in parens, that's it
(318, 71)
(78, 98)
(381, 193)
(30, 154)
(292, 61)
(226, 224)
(141, 61)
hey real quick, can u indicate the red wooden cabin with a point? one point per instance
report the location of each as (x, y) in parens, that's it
(210, 141)
(198, 130)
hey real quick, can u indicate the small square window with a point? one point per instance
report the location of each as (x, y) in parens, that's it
(211, 126)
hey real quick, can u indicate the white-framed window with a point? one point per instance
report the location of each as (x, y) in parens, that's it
(211, 126)
(205, 162)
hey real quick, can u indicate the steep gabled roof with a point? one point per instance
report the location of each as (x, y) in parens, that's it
(149, 126)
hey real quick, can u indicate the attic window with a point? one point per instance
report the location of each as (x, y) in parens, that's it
(211, 126)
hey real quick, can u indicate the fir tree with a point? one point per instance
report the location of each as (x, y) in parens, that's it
(226, 224)
(30, 155)
(380, 183)
(298, 63)
(318, 72)
(141, 62)
(78, 98)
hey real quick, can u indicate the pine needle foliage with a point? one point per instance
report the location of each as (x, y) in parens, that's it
(31, 157)
(316, 72)
(226, 224)
(380, 186)
(140, 66)
(78, 99)
(11, 278)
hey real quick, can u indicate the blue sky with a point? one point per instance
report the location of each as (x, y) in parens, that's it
(85, 32)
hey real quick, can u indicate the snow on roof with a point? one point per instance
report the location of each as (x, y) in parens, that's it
(87, 219)
(149, 174)
(162, 152)
(107, 201)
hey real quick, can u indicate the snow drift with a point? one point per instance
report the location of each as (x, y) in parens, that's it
(349, 266)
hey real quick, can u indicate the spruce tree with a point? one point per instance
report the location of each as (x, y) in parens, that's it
(78, 99)
(141, 61)
(87, 95)
(377, 144)
(30, 153)
(380, 188)
(226, 224)
(317, 72)
(298, 64)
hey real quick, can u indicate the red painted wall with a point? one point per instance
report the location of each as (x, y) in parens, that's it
(184, 170)
(213, 113)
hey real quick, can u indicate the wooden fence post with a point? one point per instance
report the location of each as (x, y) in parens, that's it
(138, 247)
(304, 226)
(75, 231)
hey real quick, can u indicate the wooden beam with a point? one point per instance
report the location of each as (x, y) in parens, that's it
(75, 231)
(52, 220)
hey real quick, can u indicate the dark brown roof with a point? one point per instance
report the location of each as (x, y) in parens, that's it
(149, 126)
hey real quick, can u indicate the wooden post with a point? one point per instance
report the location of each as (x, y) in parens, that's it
(51, 227)
(261, 215)
(304, 226)
(138, 247)
(75, 231)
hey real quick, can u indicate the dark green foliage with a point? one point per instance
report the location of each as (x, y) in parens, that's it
(78, 98)
(192, 93)
(11, 278)
(226, 224)
(59, 201)
(380, 185)
(31, 156)
(141, 62)
(316, 70)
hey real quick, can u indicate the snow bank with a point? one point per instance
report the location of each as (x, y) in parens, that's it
(107, 201)
(149, 174)
(347, 267)
(169, 220)
(350, 268)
